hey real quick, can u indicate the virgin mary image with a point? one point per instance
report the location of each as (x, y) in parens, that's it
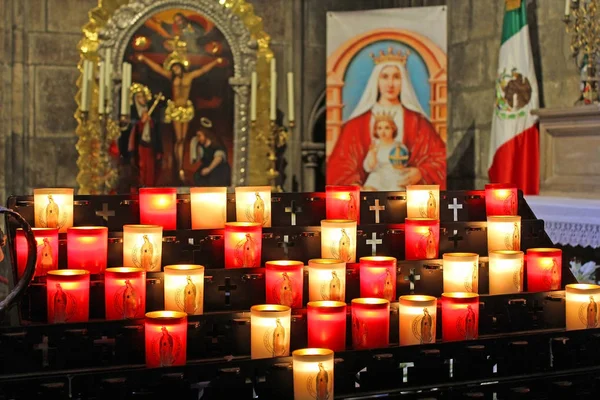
(388, 141)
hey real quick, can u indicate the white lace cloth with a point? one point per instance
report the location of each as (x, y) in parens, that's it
(568, 221)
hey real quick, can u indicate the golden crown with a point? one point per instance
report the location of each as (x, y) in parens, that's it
(398, 56)
(385, 116)
(137, 88)
(178, 56)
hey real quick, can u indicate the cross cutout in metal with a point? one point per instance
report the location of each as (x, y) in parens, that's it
(43, 346)
(374, 242)
(293, 209)
(412, 278)
(455, 206)
(227, 288)
(376, 208)
(286, 244)
(105, 213)
(214, 334)
(455, 238)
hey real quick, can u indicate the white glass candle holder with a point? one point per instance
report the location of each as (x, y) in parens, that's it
(253, 204)
(53, 208)
(461, 272)
(313, 374)
(142, 247)
(582, 306)
(184, 288)
(417, 315)
(338, 239)
(209, 207)
(506, 271)
(270, 331)
(326, 279)
(423, 201)
(504, 232)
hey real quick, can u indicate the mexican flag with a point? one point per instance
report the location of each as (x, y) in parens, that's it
(514, 146)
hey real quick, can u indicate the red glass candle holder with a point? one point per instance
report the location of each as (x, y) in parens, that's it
(158, 206)
(417, 317)
(68, 294)
(87, 248)
(370, 323)
(378, 277)
(460, 316)
(501, 199)
(166, 338)
(284, 282)
(47, 253)
(422, 238)
(327, 324)
(125, 293)
(544, 269)
(343, 202)
(243, 244)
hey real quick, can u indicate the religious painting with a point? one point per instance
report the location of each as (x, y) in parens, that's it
(386, 98)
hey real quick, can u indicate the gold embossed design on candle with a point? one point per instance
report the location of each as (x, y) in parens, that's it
(351, 207)
(360, 332)
(256, 211)
(165, 345)
(245, 252)
(65, 305)
(426, 247)
(341, 249)
(588, 313)
(422, 327)
(283, 290)
(126, 301)
(467, 324)
(429, 208)
(333, 289)
(144, 256)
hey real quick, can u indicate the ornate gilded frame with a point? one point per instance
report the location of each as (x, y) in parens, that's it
(113, 23)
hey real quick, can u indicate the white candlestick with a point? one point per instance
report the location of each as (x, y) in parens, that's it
(128, 86)
(290, 82)
(108, 79)
(124, 89)
(273, 108)
(567, 7)
(90, 80)
(253, 90)
(85, 86)
(101, 88)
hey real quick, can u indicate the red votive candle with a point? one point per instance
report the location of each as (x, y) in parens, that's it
(422, 238)
(284, 282)
(327, 324)
(378, 277)
(343, 202)
(125, 293)
(243, 244)
(544, 269)
(460, 316)
(166, 338)
(68, 294)
(47, 250)
(87, 248)
(501, 199)
(370, 323)
(158, 206)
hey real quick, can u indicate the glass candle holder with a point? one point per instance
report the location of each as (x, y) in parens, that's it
(270, 331)
(378, 277)
(422, 238)
(68, 295)
(53, 208)
(460, 316)
(158, 206)
(209, 207)
(284, 282)
(326, 322)
(253, 204)
(313, 374)
(423, 201)
(370, 323)
(87, 248)
(504, 232)
(166, 338)
(142, 246)
(338, 239)
(582, 306)
(243, 244)
(501, 199)
(47, 250)
(461, 272)
(343, 202)
(417, 316)
(506, 271)
(184, 288)
(326, 279)
(125, 293)
(544, 269)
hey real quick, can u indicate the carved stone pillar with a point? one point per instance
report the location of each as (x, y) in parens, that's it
(313, 157)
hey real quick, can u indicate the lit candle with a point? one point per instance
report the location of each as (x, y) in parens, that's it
(142, 246)
(68, 295)
(253, 204)
(422, 238)
(501, 199)
(270, 331)
(87, 248)
(101, 88)
(124, 293)
(338, 239)
(326, 279)
(85, 83)
(209, 207)
(313, 374)
(506, 271)
(461, 272)
(290, 84)
(158, 206)
(423, 201)
(326, 322)
(460, 316)
(47, 253)
(343, 202)
(378, 277)
(108, 68)
(184, 288)
(166, 338)
(417, 315)
(89, 79)
(284, 282)
(243, 244)
(53, 208)
(273, 105)
(582, 306)
(504, 232)
(370, 323)
(544, 269)
(567, 7)
(253, 93)
(124, 90)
